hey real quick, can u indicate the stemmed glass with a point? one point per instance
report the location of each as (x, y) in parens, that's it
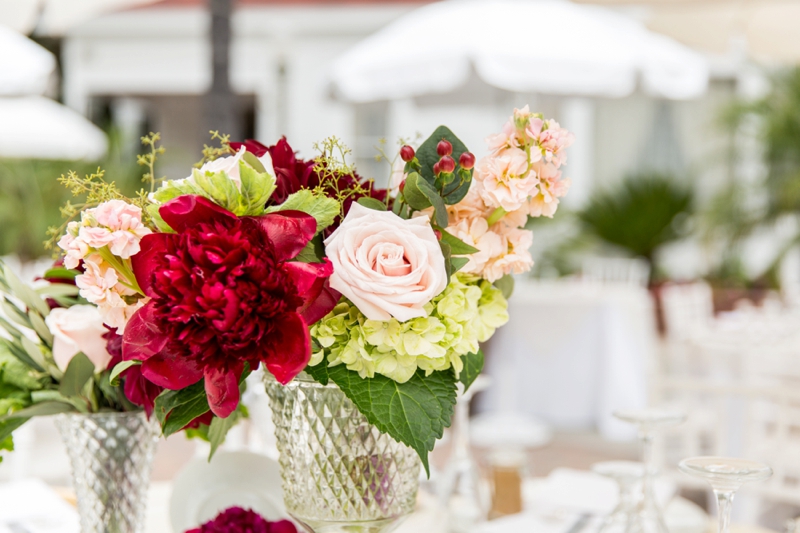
(648, 517)
(627, 474)
(725, 475)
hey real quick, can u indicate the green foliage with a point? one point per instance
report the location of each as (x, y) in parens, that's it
(778, 128)
(452, 192)
(473, 365)
(175, 409)
(414, 413)
(318, 205)
(640, 214)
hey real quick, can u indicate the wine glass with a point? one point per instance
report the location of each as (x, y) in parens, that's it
(648, 517)
(628, 475)
(725, 475)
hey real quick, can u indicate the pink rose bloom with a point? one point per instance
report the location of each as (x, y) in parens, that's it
(501, 183)
(387, 266)
(230, 165)
(78, 329)
(475, 232)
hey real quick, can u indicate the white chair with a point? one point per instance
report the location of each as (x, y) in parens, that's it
(631, 271)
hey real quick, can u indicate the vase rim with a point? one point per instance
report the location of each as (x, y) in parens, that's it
(302, 377)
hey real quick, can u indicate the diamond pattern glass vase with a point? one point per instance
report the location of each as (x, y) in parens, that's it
(111, 456)
(339, 472)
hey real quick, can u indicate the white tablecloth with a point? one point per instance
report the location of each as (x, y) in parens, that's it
(572, 353)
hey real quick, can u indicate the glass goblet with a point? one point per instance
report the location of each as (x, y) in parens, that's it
(647, 422)
(725, 475)
(628, 475)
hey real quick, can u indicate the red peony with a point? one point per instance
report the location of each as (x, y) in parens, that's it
(224, 292)
(238, 520)
(138, 390)
(293, 174)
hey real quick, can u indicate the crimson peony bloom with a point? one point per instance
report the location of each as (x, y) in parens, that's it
(238, 520)
(224, 292)
(293, 174)
(138, 390)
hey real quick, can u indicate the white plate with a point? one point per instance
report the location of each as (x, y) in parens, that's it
(243, 479)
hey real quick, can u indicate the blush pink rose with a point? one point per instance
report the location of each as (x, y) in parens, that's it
(387, 266)
(78, 329)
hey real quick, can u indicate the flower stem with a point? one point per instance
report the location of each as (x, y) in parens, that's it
(496, 215)
(122, 268)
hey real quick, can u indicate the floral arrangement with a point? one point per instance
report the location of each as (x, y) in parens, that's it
(238, 520)
(261, 259)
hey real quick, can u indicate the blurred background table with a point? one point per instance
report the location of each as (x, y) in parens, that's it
(572, 353)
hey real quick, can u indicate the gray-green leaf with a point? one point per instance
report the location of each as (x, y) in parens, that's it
(79, 370)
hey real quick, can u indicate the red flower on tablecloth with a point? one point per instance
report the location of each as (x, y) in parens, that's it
(224, 292)
(238, 520)
(293, 173)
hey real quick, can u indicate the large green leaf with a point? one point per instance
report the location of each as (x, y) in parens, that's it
(427, 156)
(457, 246)
(256, 188)
(414, 413)
(218, 430)
(473, 365)
(41, 409)
(420, 194)
(175, 409)
(506, 285)
(79, 370)
(322, 208)
(118, 369)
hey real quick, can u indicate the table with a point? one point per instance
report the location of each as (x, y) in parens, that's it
(572, 353)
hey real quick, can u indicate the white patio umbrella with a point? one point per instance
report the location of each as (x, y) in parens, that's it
(25, 66)
(37, 127)
(57, 17)
(547, 46)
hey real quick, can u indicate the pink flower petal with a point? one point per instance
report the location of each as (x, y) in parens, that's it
(288, 349)
(222, 389)
(189, 210)
(282, 526)
(311, 280)
(171, 372)
(289, 232)
(324, 302)
(142, 339)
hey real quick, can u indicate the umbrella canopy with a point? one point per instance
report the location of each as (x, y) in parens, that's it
(25, 67)
(546, 46)
(767, 28)
(56, 17)
(40, 128)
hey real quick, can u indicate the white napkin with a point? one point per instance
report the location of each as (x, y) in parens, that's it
(31, 506)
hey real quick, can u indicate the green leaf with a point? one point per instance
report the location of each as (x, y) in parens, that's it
(58, 289)
(79, 370)
(372, 203)
(26, 294)
(175, 409)
(254, 162)
(9, 425)
(457, 263)
(473, 365)
(41, 409)
(414, 413)
(41, 328)
(14, 313)
(322, 208)
(218, 429)
(61, 273)
(506, 285)
(78, 404)
(448, 265)
(427, 156)
(457, 246)
(17, 351)
(420, 194)
(219, 187)
(121, 367)
(257, 185)
(34, 352)
(313, 252)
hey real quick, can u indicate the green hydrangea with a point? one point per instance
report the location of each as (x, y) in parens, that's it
(467, 312)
